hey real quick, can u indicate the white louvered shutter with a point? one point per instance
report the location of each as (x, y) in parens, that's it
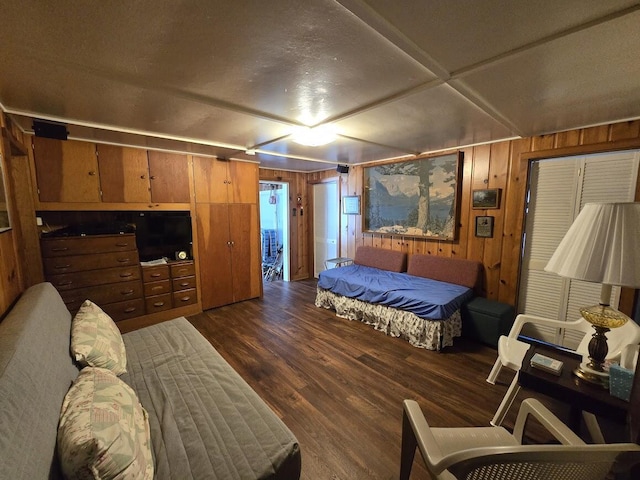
(559, 188)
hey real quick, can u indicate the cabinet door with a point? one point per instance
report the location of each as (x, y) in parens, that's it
(245, 251)
(66, 171)
(210, 179)
(124, 174)
(169, 175)
(214, 255)
(243, 182)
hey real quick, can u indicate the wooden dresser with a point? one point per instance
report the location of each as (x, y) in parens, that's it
(102, 268)
(169, 286)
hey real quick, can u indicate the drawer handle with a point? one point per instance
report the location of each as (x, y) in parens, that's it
(130, 309)
(126, 292)
(123, 260)
(122, 244)
(126, 274)
(184, 284)
(157, 287)
(158, 304)
(156, 275)
(185, 299)
(64, 284)
(62, 266)
(59, 249)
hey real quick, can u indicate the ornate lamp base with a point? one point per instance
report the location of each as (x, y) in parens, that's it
(592, 376)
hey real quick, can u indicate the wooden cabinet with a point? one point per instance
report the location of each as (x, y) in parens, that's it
(224, 181)
(124, 174)
(83, 172)
(66, 171)
(227, 225)
(169, 286)
(169, 176)
(229, 253)
(130, 175)
(102, 268)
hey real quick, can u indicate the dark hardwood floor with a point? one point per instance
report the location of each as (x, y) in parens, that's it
(339, 385)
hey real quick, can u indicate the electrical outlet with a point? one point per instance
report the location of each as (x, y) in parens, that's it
(39, 221)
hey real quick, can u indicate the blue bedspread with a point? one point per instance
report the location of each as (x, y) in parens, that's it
(426, 298)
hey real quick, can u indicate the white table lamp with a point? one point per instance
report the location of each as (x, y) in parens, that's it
(601, 246)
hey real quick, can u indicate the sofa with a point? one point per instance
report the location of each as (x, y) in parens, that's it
(416, 297)
(204, 420)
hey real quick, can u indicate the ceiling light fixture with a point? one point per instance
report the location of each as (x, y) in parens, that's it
(314, 136)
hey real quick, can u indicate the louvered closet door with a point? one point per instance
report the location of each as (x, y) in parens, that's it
(559, 188)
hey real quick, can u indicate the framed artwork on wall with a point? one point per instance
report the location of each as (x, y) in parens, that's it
(414, 198)
(351, 205)
(484, 226)
(487, 198)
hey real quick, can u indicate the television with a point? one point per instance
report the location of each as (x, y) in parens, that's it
(162, 234)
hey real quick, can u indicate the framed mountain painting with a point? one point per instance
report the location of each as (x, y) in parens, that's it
(414, 198)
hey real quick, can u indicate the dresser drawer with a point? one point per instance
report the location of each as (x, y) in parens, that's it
(69, 281)
(78, 263)
(155, 273)
(182, 269)
(102, 294)
(126, 309)
(157, 288)
(158, 303)
(183, 283)
(184, 297)
(56, 247)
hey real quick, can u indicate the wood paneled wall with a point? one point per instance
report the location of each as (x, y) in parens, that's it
(501, 165)
(13, 256)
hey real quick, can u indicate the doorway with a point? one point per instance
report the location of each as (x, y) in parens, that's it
(326, 224)
(274, 230)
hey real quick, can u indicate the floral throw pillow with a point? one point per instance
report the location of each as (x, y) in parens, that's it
(96, 340)
(103, 430)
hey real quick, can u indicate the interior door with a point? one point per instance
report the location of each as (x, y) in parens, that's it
(326, 224)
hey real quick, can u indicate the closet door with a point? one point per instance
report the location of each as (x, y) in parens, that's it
(214, 255)
(245, 251)
(559, 188)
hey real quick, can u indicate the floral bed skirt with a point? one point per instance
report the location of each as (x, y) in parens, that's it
(429, 334)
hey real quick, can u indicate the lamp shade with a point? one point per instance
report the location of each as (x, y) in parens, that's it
(602, 245)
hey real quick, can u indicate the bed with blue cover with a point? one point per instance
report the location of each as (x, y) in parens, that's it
(418, 300)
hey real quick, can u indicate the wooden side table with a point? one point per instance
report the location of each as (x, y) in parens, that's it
(570, 389)
(338, 262)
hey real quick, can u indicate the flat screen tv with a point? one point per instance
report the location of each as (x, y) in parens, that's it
(162, 234)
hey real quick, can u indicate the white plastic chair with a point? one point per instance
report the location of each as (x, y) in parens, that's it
(494, 453)
(512, 351)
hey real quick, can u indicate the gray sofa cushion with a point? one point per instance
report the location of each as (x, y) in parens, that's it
(36, 371)
(206, 421)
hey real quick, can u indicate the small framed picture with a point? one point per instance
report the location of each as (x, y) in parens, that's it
(484, 227)
(487, 198)
(351, 205)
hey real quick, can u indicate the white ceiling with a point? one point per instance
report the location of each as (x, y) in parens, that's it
(396, 78)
